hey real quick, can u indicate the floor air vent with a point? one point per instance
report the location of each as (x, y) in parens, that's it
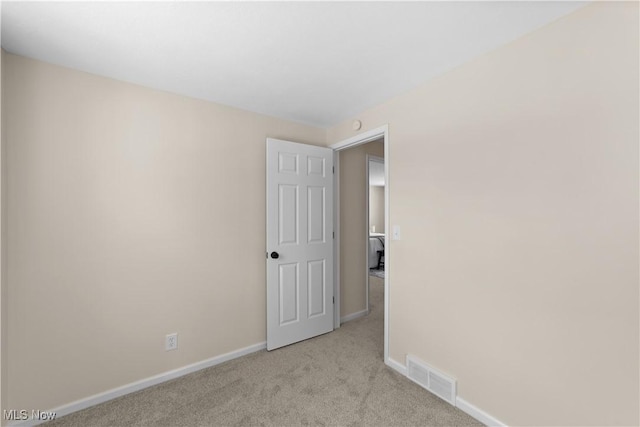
(433, 380)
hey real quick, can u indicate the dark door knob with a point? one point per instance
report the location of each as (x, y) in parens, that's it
(275, 255)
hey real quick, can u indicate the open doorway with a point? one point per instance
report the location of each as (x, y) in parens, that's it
(375, 220)
(351, 261)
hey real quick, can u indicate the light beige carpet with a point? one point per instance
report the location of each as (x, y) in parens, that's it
(335, 379)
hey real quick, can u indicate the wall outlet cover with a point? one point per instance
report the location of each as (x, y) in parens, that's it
(171, 341)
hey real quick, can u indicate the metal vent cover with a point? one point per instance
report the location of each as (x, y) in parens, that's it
(431, 379)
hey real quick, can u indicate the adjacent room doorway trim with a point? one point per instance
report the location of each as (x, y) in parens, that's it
(363, 138)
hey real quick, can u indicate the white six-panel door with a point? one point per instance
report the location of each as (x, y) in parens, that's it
(299, 242)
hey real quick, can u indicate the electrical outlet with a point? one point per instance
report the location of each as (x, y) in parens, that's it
(171, 341)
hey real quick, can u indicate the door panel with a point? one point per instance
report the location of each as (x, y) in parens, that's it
(288, 215)
(300, 231)
(316, 215)
(289, 284)
(315, 285)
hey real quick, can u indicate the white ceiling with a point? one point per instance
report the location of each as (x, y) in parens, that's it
(312, 62)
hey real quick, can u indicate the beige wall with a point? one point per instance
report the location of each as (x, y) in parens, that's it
(376, 208)
(132, 213)
(353, 228)
(515, 181)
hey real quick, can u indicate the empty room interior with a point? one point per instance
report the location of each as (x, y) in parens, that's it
(189, 234)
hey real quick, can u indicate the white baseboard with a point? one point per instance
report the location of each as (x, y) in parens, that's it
(397, 366)
(353, 316)
(478, 414)
(142, 384)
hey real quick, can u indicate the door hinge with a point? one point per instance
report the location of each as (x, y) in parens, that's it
(333, 169)
(334, 300)
(334, 234)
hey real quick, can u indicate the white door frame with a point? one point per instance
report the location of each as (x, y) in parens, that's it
(368, 159)
(363, 138)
